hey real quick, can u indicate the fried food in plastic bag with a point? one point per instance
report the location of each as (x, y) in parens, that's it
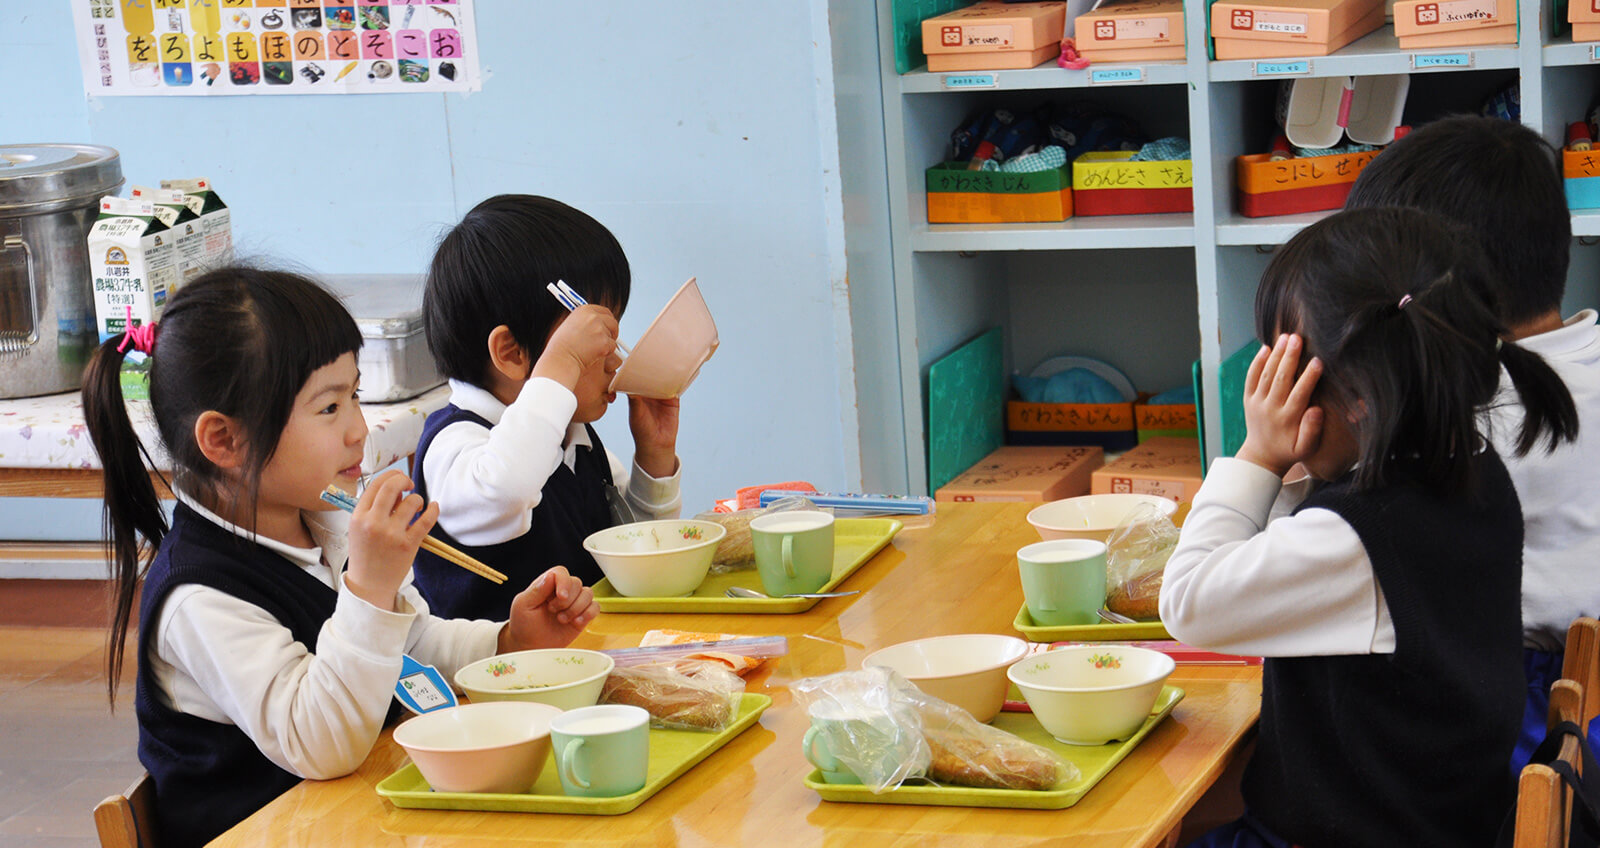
(684, 694)
(892, 732)
(1136, 559)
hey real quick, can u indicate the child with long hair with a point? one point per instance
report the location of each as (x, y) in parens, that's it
(514, 462)
(271, 626)
(1503, 182)
(1383, 590)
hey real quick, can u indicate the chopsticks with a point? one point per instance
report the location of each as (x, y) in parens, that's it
(572, 300)
(341, 499)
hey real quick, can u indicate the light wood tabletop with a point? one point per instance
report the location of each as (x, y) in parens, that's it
(955, 573)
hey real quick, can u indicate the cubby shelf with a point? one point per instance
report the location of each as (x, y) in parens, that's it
(1155, 293)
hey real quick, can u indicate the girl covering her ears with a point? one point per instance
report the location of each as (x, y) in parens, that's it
(271, 626)
(1384, 589)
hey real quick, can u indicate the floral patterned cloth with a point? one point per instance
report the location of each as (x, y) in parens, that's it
(48, 432)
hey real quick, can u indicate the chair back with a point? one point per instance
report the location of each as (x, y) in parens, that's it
(1581, 663)
(128, 820)
(1544, 801)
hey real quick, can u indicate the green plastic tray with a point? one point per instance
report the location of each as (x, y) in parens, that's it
(855, 540)
(672, 752)
(1093, 762)
(1098, 632)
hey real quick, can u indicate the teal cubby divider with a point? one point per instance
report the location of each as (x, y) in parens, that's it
(908, 18)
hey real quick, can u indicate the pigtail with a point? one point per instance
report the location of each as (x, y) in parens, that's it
(1551, 414)
(132, 505)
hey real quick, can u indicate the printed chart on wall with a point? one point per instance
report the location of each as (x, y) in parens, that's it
(206, 47)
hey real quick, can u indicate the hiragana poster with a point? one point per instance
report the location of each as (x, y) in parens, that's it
(206, 47)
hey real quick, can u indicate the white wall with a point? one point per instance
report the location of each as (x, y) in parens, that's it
(701, 133)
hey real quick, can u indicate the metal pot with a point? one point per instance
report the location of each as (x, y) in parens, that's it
(49, 194)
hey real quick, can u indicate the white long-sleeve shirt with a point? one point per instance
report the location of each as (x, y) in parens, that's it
(1249, 578)
(1561, 516)
(314, 715)
(487, 481)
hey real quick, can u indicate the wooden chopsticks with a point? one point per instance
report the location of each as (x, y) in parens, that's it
(341, 499)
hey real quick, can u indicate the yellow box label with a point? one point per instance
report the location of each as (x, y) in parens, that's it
(1069, 416)
(1112, 170)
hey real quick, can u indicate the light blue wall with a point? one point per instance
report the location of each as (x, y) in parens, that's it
(700, 133)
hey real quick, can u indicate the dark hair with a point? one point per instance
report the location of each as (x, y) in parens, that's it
(492, 269)
(240, 341)
(1396, 304)
(1503, 182)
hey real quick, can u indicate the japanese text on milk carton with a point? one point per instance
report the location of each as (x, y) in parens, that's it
(182, 217)
(215, 219)
(134, 262)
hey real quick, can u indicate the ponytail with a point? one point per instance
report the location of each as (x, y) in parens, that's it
(132, 506)
(1546, 402)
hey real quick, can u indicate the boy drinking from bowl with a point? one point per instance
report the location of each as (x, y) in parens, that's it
(520, 476)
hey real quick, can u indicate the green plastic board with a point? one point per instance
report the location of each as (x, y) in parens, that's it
(1230, 380)
(908, 18)
(966, 407)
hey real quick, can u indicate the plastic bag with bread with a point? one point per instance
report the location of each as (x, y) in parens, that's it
(737, 550)
(683, 694)
(1136, 559)
(906, 734)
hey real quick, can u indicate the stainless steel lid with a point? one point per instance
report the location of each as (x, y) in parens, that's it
(40, 178)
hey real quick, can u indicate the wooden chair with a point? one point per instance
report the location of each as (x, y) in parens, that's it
(128, 820)
(1544, 802)
(1581, 664)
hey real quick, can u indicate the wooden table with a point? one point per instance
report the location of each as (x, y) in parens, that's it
(953, 574)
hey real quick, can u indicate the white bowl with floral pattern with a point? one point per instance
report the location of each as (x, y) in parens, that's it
(668, 558)
(1092, 694)
(568, 678)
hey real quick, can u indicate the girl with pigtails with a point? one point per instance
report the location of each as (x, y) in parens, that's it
(271, 625)
(1383, 588)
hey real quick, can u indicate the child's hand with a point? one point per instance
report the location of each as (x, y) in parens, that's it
(581, 341)
(385, 532)
(1282, 428)
(550, 613)
(654, 423)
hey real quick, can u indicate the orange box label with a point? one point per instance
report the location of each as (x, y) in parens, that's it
(1257, 174)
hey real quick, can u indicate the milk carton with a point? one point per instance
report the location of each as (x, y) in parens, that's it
(134, 262)
(215, 219)
(182, 217)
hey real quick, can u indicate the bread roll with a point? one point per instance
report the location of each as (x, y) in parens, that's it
(1138, 598)
(968, 761)
(672, 698)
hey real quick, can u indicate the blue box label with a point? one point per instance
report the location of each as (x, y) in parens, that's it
(1441, 60)
(1278, 69)
(1112, 75)
(969, 81)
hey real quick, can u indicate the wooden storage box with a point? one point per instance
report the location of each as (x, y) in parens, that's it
(1300, 184)
(1455, 23)
(959, 196)
(1581, 172)
(1167, 467)
(1016, 473)
(1279, 29)
(994, 35)
(1107, 183)
(1130, 31)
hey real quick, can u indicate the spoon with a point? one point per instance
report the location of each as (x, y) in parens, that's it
(742, 592)
(1115, 617)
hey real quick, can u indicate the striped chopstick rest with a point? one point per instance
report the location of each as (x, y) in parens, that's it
(344, 501)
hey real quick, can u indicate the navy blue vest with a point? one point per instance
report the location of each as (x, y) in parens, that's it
(1377, 751)
(573, 505)
(210, 776)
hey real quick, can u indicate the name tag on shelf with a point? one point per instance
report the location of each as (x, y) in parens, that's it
(1594, 53)
(1112, 76)
(960, 81)
(1423, 61)
(1281, 69)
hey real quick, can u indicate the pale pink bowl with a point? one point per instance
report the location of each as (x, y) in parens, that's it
(667, 358)
(496, 746)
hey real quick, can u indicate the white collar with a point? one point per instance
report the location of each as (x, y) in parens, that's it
(329, 529)
(1574, 334)
(480, 402)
